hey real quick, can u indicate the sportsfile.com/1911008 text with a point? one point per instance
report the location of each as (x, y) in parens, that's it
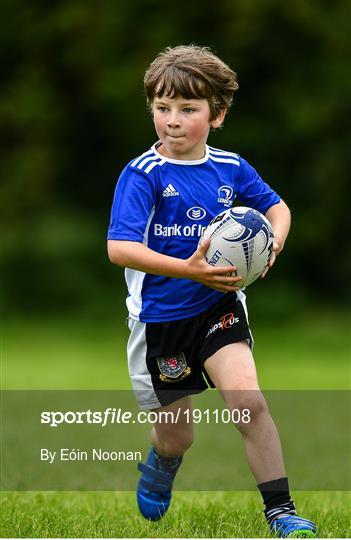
(113, 415)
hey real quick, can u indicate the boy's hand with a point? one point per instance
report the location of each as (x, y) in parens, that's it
(214, 277)
(276, 250)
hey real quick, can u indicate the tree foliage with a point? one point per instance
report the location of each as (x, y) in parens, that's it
(73, 113)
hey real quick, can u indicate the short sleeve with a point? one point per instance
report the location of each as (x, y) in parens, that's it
(252, 190)
(133, 201)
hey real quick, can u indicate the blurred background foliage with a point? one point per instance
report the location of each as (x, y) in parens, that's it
(73, 113)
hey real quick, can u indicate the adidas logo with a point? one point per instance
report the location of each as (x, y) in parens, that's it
(170, 191)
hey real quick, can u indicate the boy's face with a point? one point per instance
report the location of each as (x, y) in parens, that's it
(182, 126)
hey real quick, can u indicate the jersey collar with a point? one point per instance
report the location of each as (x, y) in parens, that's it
(180, 161)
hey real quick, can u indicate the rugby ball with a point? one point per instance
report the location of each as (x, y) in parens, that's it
(240, 237)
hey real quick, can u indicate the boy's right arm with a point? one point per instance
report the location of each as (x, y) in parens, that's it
(139, 257)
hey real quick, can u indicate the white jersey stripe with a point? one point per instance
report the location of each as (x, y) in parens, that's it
(135, 279)
(152, 165)
(222, 153)
(136, 161)
(225, 160)
(146, 160)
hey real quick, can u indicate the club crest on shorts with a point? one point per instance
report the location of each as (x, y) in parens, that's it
(173, 368)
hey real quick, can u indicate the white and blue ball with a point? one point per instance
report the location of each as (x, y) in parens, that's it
(240, 237)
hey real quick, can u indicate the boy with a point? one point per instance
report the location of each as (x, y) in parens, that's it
(175, 297)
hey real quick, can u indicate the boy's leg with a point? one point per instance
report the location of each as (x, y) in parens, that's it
(232, 370)
(164, 365)
(171, 436)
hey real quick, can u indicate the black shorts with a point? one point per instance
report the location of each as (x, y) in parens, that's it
(166, 359)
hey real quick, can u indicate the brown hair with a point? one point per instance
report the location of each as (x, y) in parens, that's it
(192, 72)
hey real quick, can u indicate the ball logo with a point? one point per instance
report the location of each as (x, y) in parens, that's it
(252, 225)
(196, 213)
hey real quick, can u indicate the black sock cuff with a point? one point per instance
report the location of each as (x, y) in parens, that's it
(279, 484)
(275, 492)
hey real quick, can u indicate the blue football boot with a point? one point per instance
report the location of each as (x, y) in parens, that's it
(154, 490)
(293, 526)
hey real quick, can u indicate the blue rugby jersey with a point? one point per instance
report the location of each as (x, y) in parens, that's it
(165, 204)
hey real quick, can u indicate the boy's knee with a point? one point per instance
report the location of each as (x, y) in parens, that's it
(257, 406)
(251, 403)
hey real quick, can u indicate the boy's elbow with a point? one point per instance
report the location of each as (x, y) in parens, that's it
(113, 252)
(286, 211)
(285, 206)
(280, 207)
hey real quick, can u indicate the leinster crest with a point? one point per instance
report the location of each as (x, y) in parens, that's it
(173, 368)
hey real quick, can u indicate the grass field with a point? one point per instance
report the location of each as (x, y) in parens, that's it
(196, 515)
(310, 353)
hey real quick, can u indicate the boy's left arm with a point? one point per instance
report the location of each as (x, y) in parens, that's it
(279, 217)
